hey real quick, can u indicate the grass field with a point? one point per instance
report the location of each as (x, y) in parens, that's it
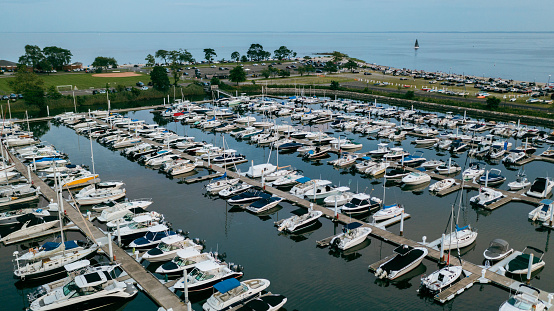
(80, 80)
(312, 79)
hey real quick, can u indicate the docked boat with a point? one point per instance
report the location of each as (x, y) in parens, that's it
(234, 190)
(448, 168)
(184, 259)
(381, 150)
(152, 238)
(263, 205)
(543, 212)
(406, 259)
(205, 275)
(119, 210)
(442, 185)
(459, 238)
(520, 264)
(219, 183)
(475, 170)
(168, 247)
(439, 280)
(138, 227)
(10, 217)
(520, 182)
(352, 234)
(514, 156)
(361, 203)
(432, 164)
(98, 193)
(549, 153)
(526, 298)
(416, 178)
(345, 160)
(266, 302)
(257, 171)
(231, 292)
(322, 190)
(492, 177)
(51, 248)
(317, 153)
(415, 159)
(395, 154)
(298, 222)
(378, 169)
(182, 168)
(339, 199)
(248, 197)
(486, 197)
(304, 185)
(388, 212)
(498, 249)
(287, 180)
(30, 224)
(541, 188)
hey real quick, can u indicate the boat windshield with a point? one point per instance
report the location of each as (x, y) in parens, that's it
(354, 202)
(164, 247)
(69, 288)
(520, 304)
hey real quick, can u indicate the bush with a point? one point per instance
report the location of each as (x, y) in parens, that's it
(215, 81)
(493, 102)
(409, 95)
(335, 85)
(98, 70)
(135, 91)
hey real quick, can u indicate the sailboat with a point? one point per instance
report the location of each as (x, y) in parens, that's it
(416, 46)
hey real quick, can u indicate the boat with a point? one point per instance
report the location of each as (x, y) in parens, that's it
(498, 249)
(168, 247)
(152, 238)
(426, 141)
(459, 238)
(205, 275)
(322, 190)
(257, 171)
(458, 146)
(263, 205)
(30, 224)
(248, 197)
(318, 152)
(541, 187)
(10, 217)
(378, 169)
(413, 160)
(345, 160)
(184, 259)
(231, 293)
(526, 298)
(549, 153)
(219, 183)
(361, 203)
(397, 174)
(492, 177)
(87, 291)
(406, 258)
(234, 190)
(497, 152)
(267, 302)
(442, 185)
(279, 172)
(98, 193)
(287, 180)
(298, 222)
(416, 46)
(304, 185)
(416, 178)
(119, 210)
(486, 197)
(395, 154)
(475, 170)
(381, 150)
(388, 212)
(352, 234)
(439, 280)
(520, 264)
(339, 199)
(51, 248)
(514, 156)
(181, 168)
(520, 182)
(543, 212)
(448, 168)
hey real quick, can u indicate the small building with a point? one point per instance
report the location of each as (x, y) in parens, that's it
(6, 65)
(74, 66)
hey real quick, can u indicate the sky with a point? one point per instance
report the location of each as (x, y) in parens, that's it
(274, 16)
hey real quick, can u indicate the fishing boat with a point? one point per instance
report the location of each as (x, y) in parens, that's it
(405, 259)
(520, 182)
(520, 264)
(352, 234)
(360, 203)
(486, 197)
(231, 293)
(543, 212)
(184, 259)
(168, 247)
(152, 238)
(205, 275)
(439, 280)
(541, 187)
(298, 222)
(526, 298)
(263, 205)
(442, 185)
(492, 177)
(498, 249)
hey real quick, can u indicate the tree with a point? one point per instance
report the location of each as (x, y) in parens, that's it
(150, 60)
(163, 54)
(338, 56)
(159, 78)
(215, 81)
(330, 67)
(243, 58)
(350, 64)
(54, 93)
(493, 102)
(104, 62)
(57, 57)
(256, 52)
(409, 95)
(274, 71)
(284, 73)
(236, 56)
(29, 84)
(334, 85)
(33, 55)
(282, 53)
(209, 55)
(307, 57)
(309, 68)
(266, 73)
(175, 58)
(301, 70)
(185, 56)
(237, 75)
(44, 65)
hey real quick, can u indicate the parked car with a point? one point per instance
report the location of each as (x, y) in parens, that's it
(150, 83)
(102, 91)
(144, 88)
(5, 97)
(20, 96)
(140, 84)
(13, 96)
(94, 92)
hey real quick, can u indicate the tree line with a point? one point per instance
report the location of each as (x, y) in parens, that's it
(47, 59)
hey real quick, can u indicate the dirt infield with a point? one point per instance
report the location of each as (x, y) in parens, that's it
(116, 75)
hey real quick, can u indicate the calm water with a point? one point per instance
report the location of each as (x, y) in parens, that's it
(519, 56)
(311, 278)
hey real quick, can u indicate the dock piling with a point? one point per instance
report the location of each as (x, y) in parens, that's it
(402, 223)
(529, 268)
(441, 259)
(110, 246)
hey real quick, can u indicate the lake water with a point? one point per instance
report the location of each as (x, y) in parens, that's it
(519, 56)
(311, 278)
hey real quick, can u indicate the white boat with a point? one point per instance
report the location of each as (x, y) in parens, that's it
(168, 247)
(439, 280)
(304, 185)
(321, 190)
(406, 259)
(448, 168)
(205, 275)
(486, 196)
(297, 223)
(182, 168)
(381, 150)
(122, 209)
(416, 178)
(498, 249)
(526, 298)
(432, 164)
(460, 238)
(378, 169)
(339, 199)
(520, 182)
(541, 187)
(264, 204)
(220, 183)
(353, 234)
(360, 203)
(184, 259)
(520, 264)
(153, 237)
(10, 217)
(278, 173)
(231, 293)
(49, 249)
(543, 212)
(474, 171)
(345, 160)
(234, 190)
(388, 212)
(101, 192)
(365, 164)
(287, 180)
(442, 185)
(256, 171)
(31, 224)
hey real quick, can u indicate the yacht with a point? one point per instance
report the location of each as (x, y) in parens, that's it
(541, 187)
(322, 190)
(361, 203)
(543, 212)
(352, 234)
(231, 292)
(514, 156)
(304, 185)
(298, 222)
(152, 238)
(51, 248)
(205, 275)
(185, 259)
(460, 238)
(168, 247)
(257, 171)
(406, 259)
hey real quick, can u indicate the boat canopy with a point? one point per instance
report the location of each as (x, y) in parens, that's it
(366, 158)
(352, 225)
(303, 180)
(389, 206)
(173, 239)
(207, 265)
(77, 265)
(142, 218)
(48, 246)
(221, 177)
(188, 252)
(227, 285)
(343, 189)
(158, 228)
(90, 279)
(546, 202)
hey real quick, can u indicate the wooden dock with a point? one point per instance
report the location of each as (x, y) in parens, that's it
(202, 178)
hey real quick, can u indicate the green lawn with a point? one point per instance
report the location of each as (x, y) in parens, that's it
(80, 80)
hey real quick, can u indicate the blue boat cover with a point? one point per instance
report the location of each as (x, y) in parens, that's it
(352, 225)
(48, 246)
(389, 206)
(303, 180)
(421, 169)
(546, 202)
(366, 158)
(227, 285)
(462, 228)
(221, 177)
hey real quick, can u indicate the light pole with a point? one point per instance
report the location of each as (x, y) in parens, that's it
(548, 83)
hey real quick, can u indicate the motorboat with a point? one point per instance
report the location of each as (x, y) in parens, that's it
(248, 197)
(287, 180)
(413, 160)
(426, 141)
(9, 218)
(51, 248)
(98, 193)
(439, 280)
(360, 203)
(498, 249)
(231, 292)
(278, 173)
(432, 164)
(119, 210)
(497, 152)
(395, 154)
(475, 170)
(267, 302)
(458, 146)
(378, 169)
(486, 197)
(298, 222)
(30, 224)
(182, 168)
(304, 185)
(263, 205)
(322, 190)
(543, 212)
(381, 150)
(492, 177)
(234, 190)
(520, 264)
(416, 178)
(406, 259)
(339, 199)
(388, 212)
(185, 259)
(520, 182)
(366, 163)
(205, 275)
(318, 152)
(168, 247)
(442, 185)
(86, 291)
(444, 144)
(448, 168)
(256, 171)
(352, 234)
(514, 156)
(549, 153)
(152, 238)
(541, 187)
(526, 298)
(219, 183)
(345, 160)
(460, 238)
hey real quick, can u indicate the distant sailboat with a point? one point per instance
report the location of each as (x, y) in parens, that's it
(416, 46)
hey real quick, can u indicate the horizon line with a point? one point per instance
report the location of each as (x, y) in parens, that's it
(275, 32)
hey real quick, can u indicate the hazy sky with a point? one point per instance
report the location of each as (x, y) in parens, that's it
(281, 15)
